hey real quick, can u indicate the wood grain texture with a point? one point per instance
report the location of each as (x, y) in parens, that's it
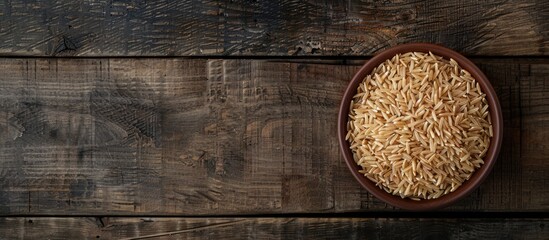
(281, 28)
(272, 228)
(204, 137)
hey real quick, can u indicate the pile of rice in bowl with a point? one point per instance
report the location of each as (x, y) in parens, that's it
(419, 126)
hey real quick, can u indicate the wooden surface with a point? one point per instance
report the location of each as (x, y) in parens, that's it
(117, 115)
(202, 137)
(281, 28)
(272, 228)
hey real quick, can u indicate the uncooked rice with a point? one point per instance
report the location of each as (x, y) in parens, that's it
(419, 126)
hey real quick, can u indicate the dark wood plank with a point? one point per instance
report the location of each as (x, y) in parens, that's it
(281, 28)
(535, 140)
(202, 137)
(272, 228)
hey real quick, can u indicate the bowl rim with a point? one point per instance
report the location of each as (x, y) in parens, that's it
(478, 176)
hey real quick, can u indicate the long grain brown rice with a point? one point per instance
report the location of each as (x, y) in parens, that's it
(419, 126)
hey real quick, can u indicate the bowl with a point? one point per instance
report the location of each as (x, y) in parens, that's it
(478, 176)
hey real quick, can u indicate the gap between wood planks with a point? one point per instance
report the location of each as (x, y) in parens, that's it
(471, 215)
(325, 60)
(520, 58)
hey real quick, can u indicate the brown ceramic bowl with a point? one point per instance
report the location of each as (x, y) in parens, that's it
(478, 176)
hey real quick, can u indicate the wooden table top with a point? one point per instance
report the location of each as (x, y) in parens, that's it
(217, 119)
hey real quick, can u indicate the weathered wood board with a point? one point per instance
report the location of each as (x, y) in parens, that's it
(206, 137)
(259, 28)
(272, 228)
